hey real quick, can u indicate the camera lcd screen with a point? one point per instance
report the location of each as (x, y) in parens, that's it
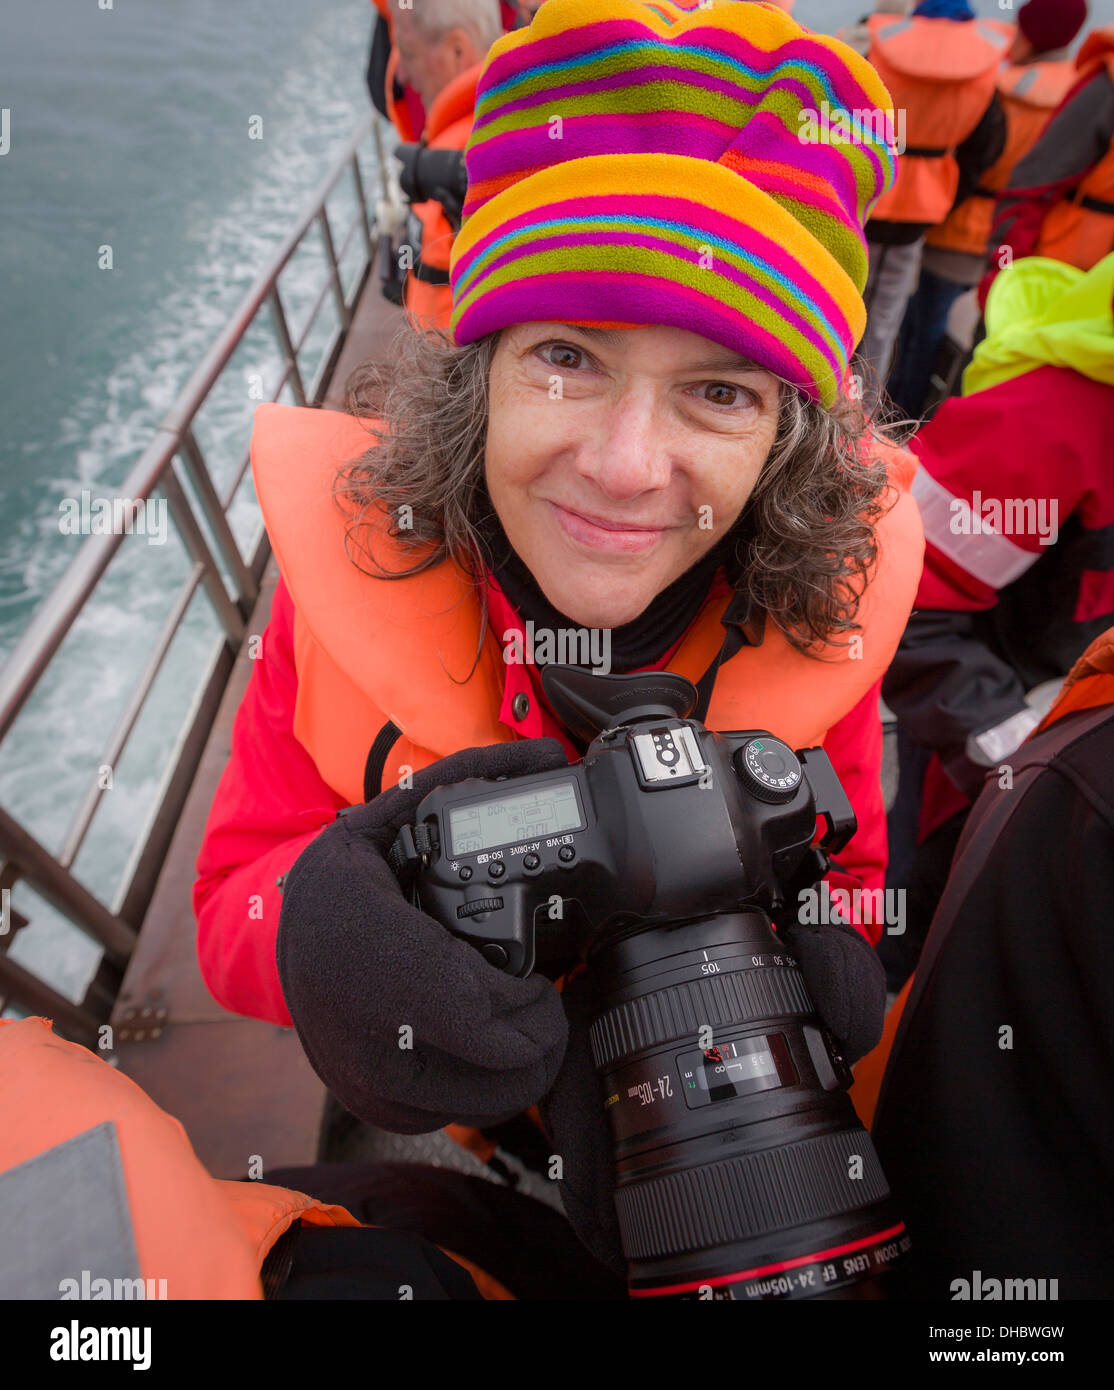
(551, 809)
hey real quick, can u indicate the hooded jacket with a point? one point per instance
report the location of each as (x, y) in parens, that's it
(1017, 498)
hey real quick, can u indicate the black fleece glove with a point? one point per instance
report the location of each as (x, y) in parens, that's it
(847, 983)
(408, 1026)
(846, 980)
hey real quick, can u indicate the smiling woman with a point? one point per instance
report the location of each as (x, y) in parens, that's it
(642, 426)
(613, 463)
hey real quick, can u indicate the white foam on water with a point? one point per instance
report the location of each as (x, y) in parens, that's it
(53, 752)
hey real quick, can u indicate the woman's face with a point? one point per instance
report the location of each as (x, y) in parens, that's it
(617, 459)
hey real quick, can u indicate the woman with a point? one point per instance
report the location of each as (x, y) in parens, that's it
(640, 430)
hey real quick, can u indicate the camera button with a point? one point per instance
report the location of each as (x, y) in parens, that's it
(465, 873)
(530, 861)
(566, 854)
(496, 870)
(494, 955)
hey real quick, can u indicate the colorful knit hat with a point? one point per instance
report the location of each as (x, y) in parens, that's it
(676, 163)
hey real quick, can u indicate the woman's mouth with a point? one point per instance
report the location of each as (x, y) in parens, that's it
(601, 533)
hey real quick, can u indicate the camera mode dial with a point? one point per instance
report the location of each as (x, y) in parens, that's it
(769, 769)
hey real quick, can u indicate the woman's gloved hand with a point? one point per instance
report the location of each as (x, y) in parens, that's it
(846, 980)
(847, 983)
(408, 1026)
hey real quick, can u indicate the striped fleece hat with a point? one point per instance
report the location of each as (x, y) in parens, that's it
(675, 163)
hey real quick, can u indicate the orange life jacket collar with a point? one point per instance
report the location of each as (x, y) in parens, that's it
(1090, 683)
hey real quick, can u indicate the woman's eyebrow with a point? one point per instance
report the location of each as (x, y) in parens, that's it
(724, 360)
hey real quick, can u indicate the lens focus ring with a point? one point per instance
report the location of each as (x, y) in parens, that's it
(680, 1011)
(739, 1198)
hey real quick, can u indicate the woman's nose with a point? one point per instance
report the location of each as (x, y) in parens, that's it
(629, 454)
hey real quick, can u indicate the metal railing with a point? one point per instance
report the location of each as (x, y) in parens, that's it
(174, 465)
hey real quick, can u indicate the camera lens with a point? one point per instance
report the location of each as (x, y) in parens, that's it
(742, 1171)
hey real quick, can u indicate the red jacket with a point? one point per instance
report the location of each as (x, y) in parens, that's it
(272, 801)
(997, 616)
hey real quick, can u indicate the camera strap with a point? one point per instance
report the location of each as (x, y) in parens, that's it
(743, 630)
(413, 848)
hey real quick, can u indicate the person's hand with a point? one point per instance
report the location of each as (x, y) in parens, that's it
(580, 1132)
(848, 986)
(846, 979)
(408, 1026)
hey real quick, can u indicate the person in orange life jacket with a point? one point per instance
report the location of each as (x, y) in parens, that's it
(940, 66)
(1017, 499)
(101, 1195)
(994, 1119)
(440, 45)
(400, 101)
(577, 459)
(1033, 84)
(1060, 200)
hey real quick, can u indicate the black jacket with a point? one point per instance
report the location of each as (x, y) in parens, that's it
(993, 1124)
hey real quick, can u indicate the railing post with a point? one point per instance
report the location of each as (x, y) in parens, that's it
(30, 993)
(230, 617)
(246, 588)
(286, 343)
(334, 270)
(361, 199)
(39, 868)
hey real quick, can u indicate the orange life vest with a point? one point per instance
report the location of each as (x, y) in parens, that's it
(448, 127)
(941, 73)
(1029, 93)
(1090, 682)
(1080, 229)
(205, 1237)
(368, 650)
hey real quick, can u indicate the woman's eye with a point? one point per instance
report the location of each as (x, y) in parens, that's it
(723, 393)
(570, 352)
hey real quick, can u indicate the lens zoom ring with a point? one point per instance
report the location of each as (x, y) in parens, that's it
(739, 1198)
(680, 1011)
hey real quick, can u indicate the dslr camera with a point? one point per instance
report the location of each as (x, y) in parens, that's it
(741, 1169)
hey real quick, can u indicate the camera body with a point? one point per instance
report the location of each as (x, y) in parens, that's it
(663, 821)
(741, 1169)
